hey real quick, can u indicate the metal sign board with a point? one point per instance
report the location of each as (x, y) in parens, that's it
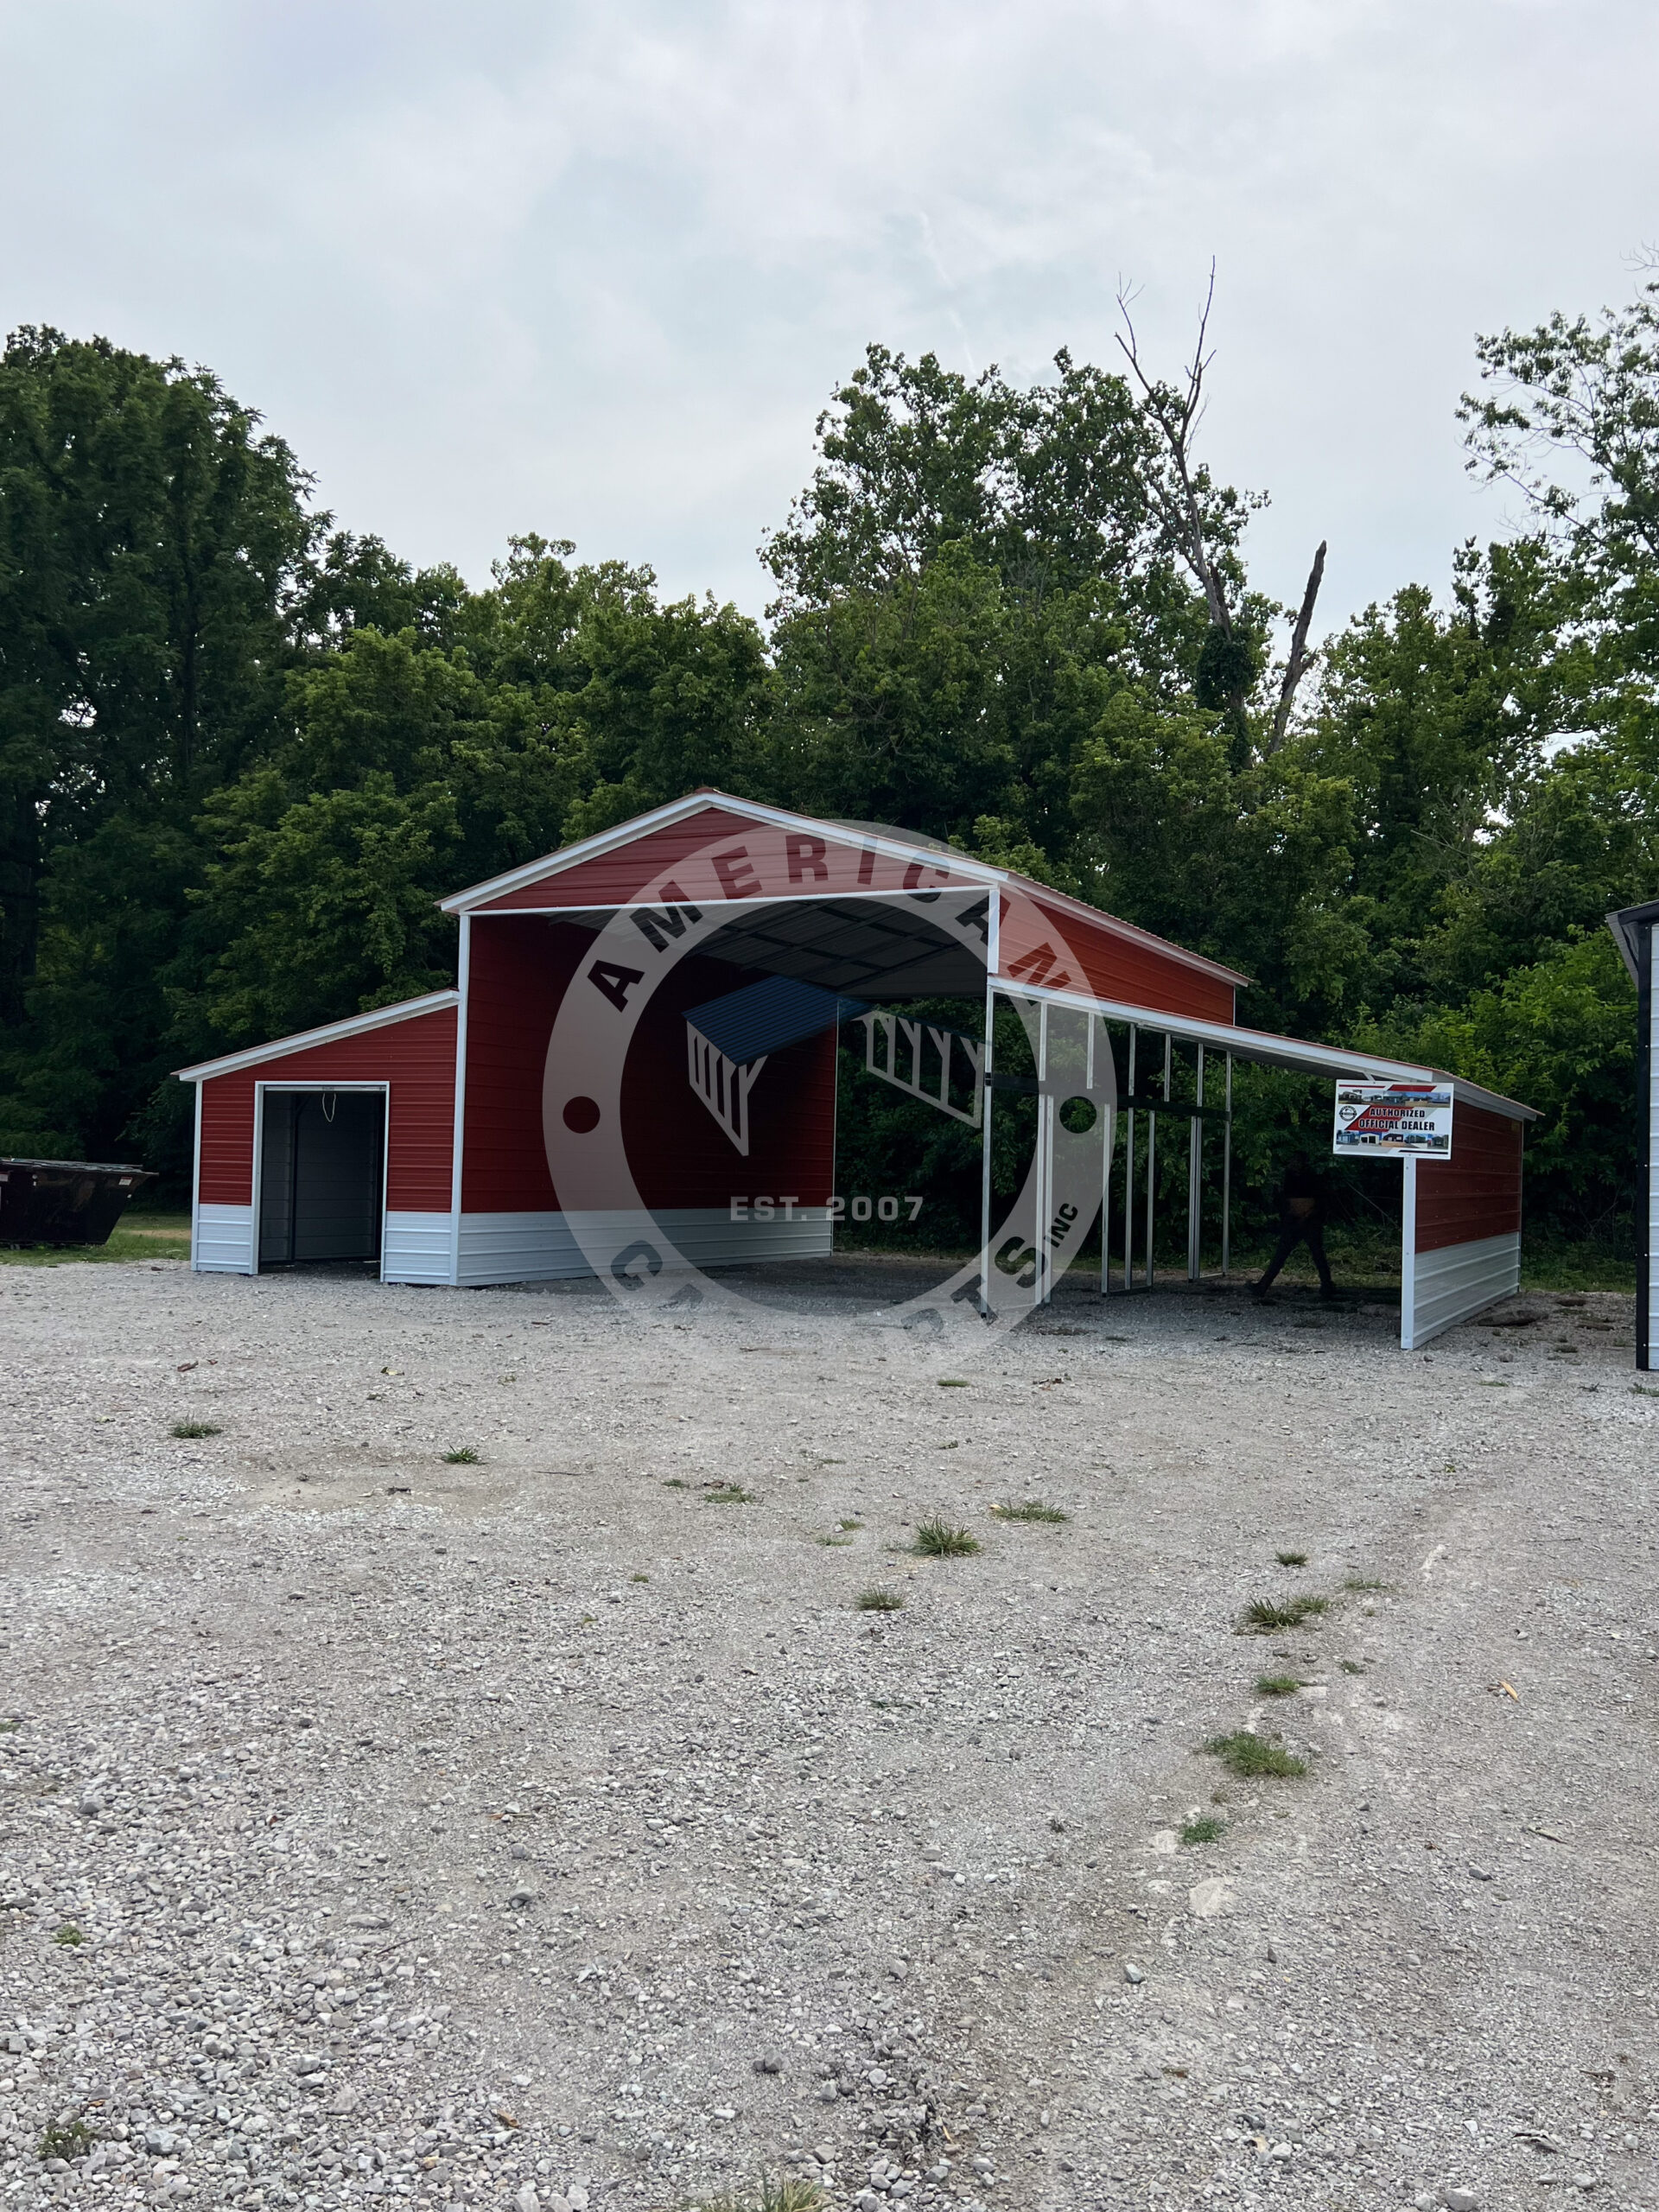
(1402, 1118)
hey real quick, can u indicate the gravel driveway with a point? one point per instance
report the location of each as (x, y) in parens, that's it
(555, 1829)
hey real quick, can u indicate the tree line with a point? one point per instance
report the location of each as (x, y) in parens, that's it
(241, 750)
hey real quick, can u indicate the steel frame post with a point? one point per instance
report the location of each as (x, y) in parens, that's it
(1152, 1153)
(1109, 1116)
(1195, 1184)
(1227, 1179)
(1647, 1107)
(985, 1151)
(1129, 1172)
(1043, 1239)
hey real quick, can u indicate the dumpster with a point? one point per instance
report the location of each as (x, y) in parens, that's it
(64, 1201)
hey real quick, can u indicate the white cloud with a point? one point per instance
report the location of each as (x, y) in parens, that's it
(593, 271)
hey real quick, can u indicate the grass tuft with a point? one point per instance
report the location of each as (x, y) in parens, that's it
(1205, 1829)
(850, 1524)
(835, 1542)
(194, 1428)
(1249, 1755)
(674, 1482)
(465, 1458)
(1291, 1559)
(69, 1935)
(879, 1599)
(1363, 1582)
(793, 2194)
(938, 1539)
(729, 1494)
(1276, 1685)
(1352, 1666)
(1266, 1616)
(67, 2139)
(1031, 1509)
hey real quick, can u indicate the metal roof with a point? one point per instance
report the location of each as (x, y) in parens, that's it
(900, 844)
(764, 1017)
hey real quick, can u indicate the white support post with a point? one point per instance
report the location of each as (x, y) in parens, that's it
(1195, 1184)
(1227, 1179)
(1407, 1254)
(985, 1149)
(1109, 1116)
(463, 981)
(196, 1187)
(1044, 1239)
(1128, 1173)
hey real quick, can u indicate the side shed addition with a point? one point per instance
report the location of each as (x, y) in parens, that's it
(337, 1144)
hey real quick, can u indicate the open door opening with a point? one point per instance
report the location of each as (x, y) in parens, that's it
(322, 1175)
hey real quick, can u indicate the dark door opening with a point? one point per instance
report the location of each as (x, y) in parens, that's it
(320, 1187)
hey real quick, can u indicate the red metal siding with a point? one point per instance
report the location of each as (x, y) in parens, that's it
(519, 969)
(614, 877)
(680, 1154)
(517, 973)
(416, 1058)
(227, 1139)
(1114, 967)
(1477, 1193)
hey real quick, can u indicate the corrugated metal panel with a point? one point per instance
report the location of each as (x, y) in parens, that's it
(1476, 1194)
(416, 1248)
(415, 1058)
(1113, 966)
(517, 1247)
(226, 1176)
(542, 1247)
(682, 1155)
(612, 879)
(519, 969)
(764, 1017)
(1454, 1283)
(224, 1240)
(710, 1238)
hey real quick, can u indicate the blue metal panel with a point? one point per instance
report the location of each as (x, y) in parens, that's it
(764, 1017)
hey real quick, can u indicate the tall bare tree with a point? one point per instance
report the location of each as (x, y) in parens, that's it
(1204, 529)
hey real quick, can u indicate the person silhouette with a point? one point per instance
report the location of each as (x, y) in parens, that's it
(1301, 1221)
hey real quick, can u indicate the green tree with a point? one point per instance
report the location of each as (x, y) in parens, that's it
(574, 699)
(150, 535)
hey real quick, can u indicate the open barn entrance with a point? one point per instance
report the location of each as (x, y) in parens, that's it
(322, 1178)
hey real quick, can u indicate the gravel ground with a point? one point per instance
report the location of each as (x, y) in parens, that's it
(542, 1831)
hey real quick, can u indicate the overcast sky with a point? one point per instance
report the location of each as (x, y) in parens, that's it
(513, 264)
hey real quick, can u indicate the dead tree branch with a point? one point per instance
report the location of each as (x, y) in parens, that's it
(1300, 659)
(1175, 412)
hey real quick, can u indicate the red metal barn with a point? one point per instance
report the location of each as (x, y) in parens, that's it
(648, 1020)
